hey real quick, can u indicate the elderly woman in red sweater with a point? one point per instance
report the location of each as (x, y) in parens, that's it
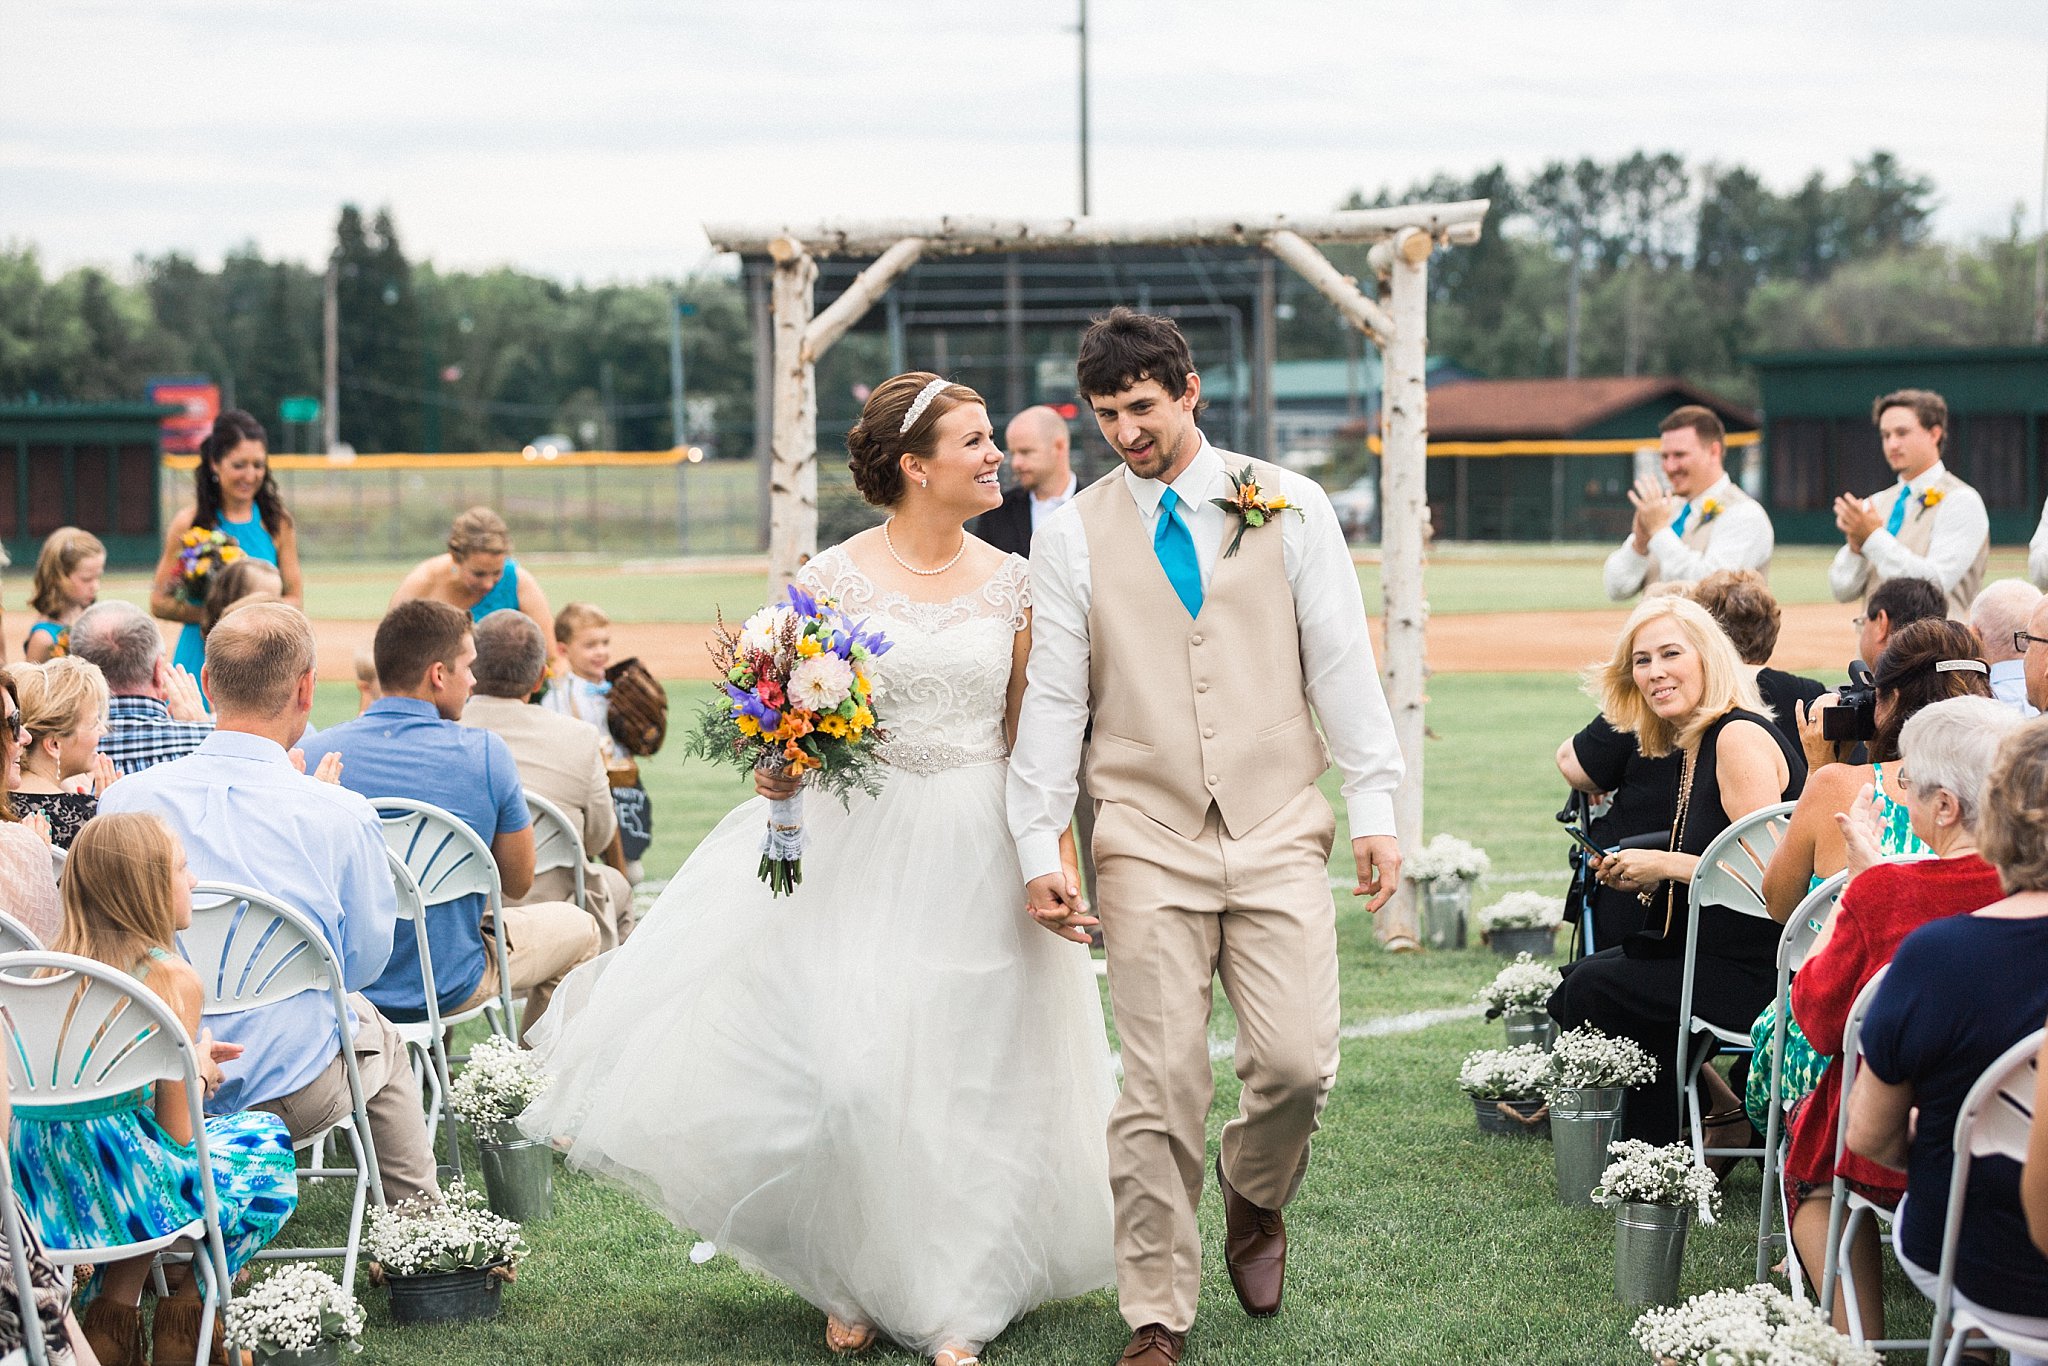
(1946, 751)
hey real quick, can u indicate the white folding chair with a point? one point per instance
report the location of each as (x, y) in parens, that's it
(33, 1348)
(1730, 874)
(1848, 1209)
(556, 843)
(426, 1040)
(1807, 921)
(90, 1034)
(16, 937)
(1996, 1117)
(252, 951)
(449, 860)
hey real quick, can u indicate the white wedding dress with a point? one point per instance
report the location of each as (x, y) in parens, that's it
(889, 1090)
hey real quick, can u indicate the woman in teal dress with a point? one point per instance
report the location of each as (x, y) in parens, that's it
(234, 493)
(124, 1169)
(478, 574)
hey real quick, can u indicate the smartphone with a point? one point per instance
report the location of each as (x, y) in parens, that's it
(1579, 838)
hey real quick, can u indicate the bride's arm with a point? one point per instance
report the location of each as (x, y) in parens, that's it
(1020, 655)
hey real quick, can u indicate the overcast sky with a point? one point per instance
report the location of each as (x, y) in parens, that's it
(589, 139)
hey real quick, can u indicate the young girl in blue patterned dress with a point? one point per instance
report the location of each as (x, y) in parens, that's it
(123, 1170)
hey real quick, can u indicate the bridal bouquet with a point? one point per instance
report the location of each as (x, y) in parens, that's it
(797, 700)
(202, 551)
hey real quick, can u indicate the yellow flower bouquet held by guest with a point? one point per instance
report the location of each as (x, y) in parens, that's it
(797, 701)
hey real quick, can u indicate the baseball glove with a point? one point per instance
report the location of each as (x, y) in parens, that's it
(638, 716)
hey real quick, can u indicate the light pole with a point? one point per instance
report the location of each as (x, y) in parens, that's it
(1082, 29)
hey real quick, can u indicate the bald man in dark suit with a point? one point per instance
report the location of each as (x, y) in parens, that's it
(1041, 479)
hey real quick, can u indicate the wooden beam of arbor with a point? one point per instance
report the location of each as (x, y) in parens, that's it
(866, 290)
(1340, 289)
(957, 236)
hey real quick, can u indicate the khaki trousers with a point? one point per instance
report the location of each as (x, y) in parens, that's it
(1176, 914)
(542, 942)
(398, 1126)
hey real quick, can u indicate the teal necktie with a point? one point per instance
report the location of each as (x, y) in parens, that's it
(1898, 517)
(1684, 516)
(1176, 551)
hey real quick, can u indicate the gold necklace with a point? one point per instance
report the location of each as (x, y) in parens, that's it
(1649, 894)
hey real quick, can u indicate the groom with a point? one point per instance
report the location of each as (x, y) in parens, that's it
(1198, 657)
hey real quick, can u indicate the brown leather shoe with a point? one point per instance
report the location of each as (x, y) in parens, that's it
(1154, 1345)
(1255, 1250)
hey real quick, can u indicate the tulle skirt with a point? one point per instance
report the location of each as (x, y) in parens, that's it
(887, 1091)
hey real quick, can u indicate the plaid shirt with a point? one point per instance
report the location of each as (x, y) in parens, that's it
(141, 732)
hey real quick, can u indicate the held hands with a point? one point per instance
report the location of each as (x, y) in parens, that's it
(1656, 508)
(1379, 869)
(1856, 518)
(1859, 826)
(182, 696)
(1054, 900)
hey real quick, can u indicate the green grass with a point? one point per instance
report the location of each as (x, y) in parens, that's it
(1415, 1239)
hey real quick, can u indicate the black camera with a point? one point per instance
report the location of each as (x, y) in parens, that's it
(1853, 718)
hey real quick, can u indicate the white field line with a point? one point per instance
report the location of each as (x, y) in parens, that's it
(1380, 1027)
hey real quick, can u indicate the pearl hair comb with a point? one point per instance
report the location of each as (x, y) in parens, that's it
(920, 403)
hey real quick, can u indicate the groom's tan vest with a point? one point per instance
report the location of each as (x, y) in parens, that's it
(1916, 533)
(1190, 714)
(1699, 534)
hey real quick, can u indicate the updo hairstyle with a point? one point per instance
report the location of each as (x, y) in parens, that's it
(877, 444)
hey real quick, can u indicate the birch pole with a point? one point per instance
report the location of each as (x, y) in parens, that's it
(793, 451)
(1404, 510)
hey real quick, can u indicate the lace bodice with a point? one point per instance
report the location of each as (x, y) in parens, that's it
(940, 690)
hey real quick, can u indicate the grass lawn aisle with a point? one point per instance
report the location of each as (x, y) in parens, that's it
(1415, 1240)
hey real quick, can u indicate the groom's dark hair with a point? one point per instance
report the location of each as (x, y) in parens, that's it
(1123, 347)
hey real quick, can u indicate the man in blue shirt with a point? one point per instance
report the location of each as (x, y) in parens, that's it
(155, 710)
(407, 744)
(246, 813)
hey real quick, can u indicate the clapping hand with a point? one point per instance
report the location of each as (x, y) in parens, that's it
(212, 1053)
(329, 770)
(1855, 518)
(1656, 507)
(96, 780)
(38, 824)
(182, 695)
(1859, 826)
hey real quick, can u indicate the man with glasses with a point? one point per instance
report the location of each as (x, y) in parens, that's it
(2000, 617)
(1895, 603)
(1929, 525)
(2034, 642)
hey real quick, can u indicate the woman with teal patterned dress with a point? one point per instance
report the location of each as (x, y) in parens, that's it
(233, 493)
(124, 1169)
(1926, 662)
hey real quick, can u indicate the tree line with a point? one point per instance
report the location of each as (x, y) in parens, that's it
(1645, 265)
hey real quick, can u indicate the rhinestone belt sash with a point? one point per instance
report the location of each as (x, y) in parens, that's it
(928, 757)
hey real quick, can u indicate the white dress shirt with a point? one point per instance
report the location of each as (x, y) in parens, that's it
(1960, 526)
(1742, 539)
(2009, 685)
(2037, 552)
(1042, 508)
(1337, 665)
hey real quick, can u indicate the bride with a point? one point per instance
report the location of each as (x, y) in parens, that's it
(889, 1090)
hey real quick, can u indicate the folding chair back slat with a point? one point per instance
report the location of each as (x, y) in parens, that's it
(556, 842)
(16, 937)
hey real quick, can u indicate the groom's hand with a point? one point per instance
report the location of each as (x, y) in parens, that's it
(1054, 900)
(1379, 868)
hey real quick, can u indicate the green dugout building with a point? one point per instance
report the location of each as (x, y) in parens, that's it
(88, 465)
(1820, 440)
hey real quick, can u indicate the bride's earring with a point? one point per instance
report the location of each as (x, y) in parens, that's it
(924, 483)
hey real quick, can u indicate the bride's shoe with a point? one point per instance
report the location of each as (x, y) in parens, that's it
(847, 1338)
(955, 1356)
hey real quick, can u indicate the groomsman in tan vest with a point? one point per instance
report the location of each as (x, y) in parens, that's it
(1929, 525)
(1199, 644)
(1704, 524)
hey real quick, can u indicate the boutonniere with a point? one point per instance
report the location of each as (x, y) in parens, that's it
(1930, 498)
(1709, 510)
(1250, 506)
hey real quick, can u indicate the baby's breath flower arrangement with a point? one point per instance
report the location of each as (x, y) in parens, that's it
(420, 1236)
(1504, 1073)
(1645, 1175)
(1449, 858)
(1523, 911)
(297, 1308)
(1520, 988)
(497, 1085)
(1759, 1325)
(1586, 1059)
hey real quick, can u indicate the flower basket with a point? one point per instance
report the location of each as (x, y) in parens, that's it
(1504, 1086)
(1518, 995)
(298, 1314)
(1586, 1084)
(1534, 1027)
(1758, 1323)
(1656, 1193)
(497, 1085)
(443, 1261)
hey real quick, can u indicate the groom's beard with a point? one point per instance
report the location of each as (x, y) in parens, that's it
(1158, 460)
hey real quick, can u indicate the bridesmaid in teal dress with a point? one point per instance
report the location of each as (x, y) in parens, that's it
(478, 574)
(233, 492)
(125, 1169)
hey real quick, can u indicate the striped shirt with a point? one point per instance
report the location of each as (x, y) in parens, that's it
(140, 732)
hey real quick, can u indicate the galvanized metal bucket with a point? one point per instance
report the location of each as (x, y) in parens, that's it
(1525, 1117)
(444, 1296)
(1582, 1123)
(1649, 1252)
(1539, 940)
(1533, 1027)
(1446, 903)
(326, 1354)
(519, 1175)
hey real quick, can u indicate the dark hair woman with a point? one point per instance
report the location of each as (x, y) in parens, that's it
(233, 493)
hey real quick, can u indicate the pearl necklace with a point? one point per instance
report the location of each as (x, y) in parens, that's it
(923, 573)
